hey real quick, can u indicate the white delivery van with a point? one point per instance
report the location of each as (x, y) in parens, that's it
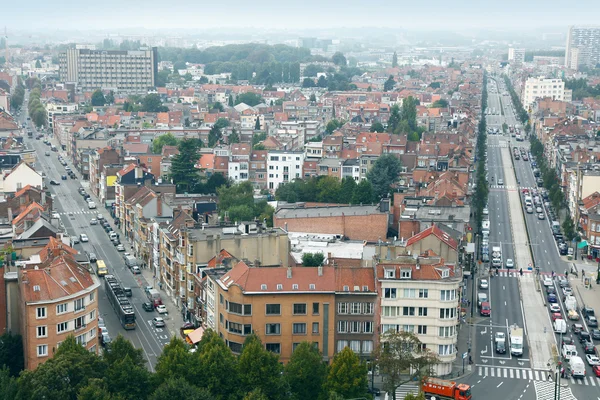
(91, 205)
(577, 367)
(569, 351)
(560, 326)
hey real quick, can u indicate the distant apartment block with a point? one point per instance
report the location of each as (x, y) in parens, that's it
(122, 71)
(583, 46)
(516, 56)
(543, 87)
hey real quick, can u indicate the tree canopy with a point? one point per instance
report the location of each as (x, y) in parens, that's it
(184, 174)
(383, 174)
(153, 103)
(326, 189)
(312, 259)
(164, 140)
(249, 98)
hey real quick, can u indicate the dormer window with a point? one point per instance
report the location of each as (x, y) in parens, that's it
(390, 273)
(405, 273)
(346, 288)
(446, 273)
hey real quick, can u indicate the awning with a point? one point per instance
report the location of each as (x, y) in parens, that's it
(195, 336)
(582, 244)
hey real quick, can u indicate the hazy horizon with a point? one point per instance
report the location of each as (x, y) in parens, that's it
(113, 15)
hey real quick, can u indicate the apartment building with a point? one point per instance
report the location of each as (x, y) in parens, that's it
(422, 296)
(283, 167)
(542, 87)
(283, 306)
(132, 71)
(57, 297)
(583, 46)
(516, 56)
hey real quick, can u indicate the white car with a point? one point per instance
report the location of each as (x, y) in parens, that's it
(554, 308)
(91, 205)
(93, 221)
(161, 309)
(547, 281)
(500, 336)
(592, 359)
(567, 291)
(486, 211)
(510, 263)
(483, 284)
(120, 247)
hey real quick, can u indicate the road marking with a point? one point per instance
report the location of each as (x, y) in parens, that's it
(499, 384)
(505, 373)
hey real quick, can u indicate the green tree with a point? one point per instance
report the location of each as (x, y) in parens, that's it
(260, 369)
(179, 388)
(312, 259)
(162, 78)
(504, 127)
(128, 378)
(322, 82)
(401, 360)
(313, 98)
(179, 65)
(177, 362)
(441, 103)
(249, 98)
(258, 137)
(257, 124)
(332, 125)
(377, 127)
(120, 348)
(11, 353)
(328, 189)
(9, 385)
(383, 174)
(394, 119)
(394, 60)
(256, 394)
(164, 140)
(389, 84)
(110, 97)
(219, 367)
(347, 189)
(152, 103)
(218, 107)
(363, 194)
(435, 85)
(569, 228)
(305, 372)
(230, 101)
(347, 375)
(308, 83)
(98, 98)
(339, 59)
(409, 112)
(38, 64)
(233, 137)
(96, 389)
(184, 174)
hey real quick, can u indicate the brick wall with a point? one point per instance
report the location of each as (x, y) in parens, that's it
(363, 227)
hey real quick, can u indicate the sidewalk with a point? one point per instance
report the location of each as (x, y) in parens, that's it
(589, 295)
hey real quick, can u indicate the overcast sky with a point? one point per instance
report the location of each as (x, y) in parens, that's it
(281, 14)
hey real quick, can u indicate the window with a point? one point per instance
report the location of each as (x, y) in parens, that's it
(42, 350)
(405, 273)
(447, 295)
(41, 331)
(445, 349)
(422, 311)
(221, 300)
(235, 308)
(355, 308)
(367, 346)
(389, 311)
(390, 293)
(367, 327)
(273, 309)
(342, 326)
(408, 328)
(315, 327)
(63, 326)
(93, 332)
(355, 346)
(273, 329)
(445, 273)
(299, 309)
(422, 329)
(294, 345)
(235, 347)
(61, 308)
(447, 331)
(91, 297)
(341, 345)
(410, 293)
(368, 308)
(41, 312)
(447, 313)
(78, 305)
(247, 309)
(390, 273)
(355, 326)
(342, 308)
(274, 347)
(423, 293)
(408, 311)
(234, 327)
(247, 329)
(79, 322)
(299, 329)
(315, 308)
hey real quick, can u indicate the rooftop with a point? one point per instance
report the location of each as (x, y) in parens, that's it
(337, 211)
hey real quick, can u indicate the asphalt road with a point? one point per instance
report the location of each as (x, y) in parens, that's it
(75, 216)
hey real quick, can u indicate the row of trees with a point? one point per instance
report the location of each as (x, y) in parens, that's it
(480, 197)
(16, 100)
(148, 103)
(521, 113)
(214, 372)
(328, 189)
(37, 111)
(551, 184)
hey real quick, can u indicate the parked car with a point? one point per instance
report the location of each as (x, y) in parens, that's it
(135, 270)
(483, 284)
(55, 183)
(93, 221)
(161, 309)
(158, 322)
(147, 306)
(120, 247)
(591, 321)
(592, 360)
(585, 310)
(92, 257)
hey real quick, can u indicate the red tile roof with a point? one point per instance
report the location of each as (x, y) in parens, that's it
(433, 230)
(33, 206)
(355, 279)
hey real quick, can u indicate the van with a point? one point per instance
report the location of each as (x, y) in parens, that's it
(560, 326)
(481, 298)
(91, 205)
(576, 367)
(127, 291)
(154, 297)
(130, 261)
(568, 351)
(112, 235)
(555, 227)
(485, 227)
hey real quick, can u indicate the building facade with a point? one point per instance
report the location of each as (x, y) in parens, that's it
(516, 56)
(542, 87)
(583, 46)
(132, 71)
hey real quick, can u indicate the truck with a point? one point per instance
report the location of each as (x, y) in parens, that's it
(571, 303)
(516, 340)
(154, 297)
(497, 256)
(443, 389)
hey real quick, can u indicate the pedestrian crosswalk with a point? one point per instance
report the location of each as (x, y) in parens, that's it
(404, 390)
(546, 391)
(81, 212)
(533, 375)
(512, 187)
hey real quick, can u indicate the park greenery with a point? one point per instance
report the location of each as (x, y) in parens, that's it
(211, 372)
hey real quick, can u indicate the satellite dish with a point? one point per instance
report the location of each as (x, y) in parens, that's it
(402, 182)
(415, 256)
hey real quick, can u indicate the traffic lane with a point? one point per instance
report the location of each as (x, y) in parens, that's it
(495, 388)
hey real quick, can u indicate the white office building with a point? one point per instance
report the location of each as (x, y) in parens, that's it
(542, 87)
(516, 56)
(283, 167)
(583, 46)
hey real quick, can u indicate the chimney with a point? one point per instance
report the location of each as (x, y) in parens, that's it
(289, 272)
(320, 270)
(159, 205)
(10, 215)
(43, 198)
